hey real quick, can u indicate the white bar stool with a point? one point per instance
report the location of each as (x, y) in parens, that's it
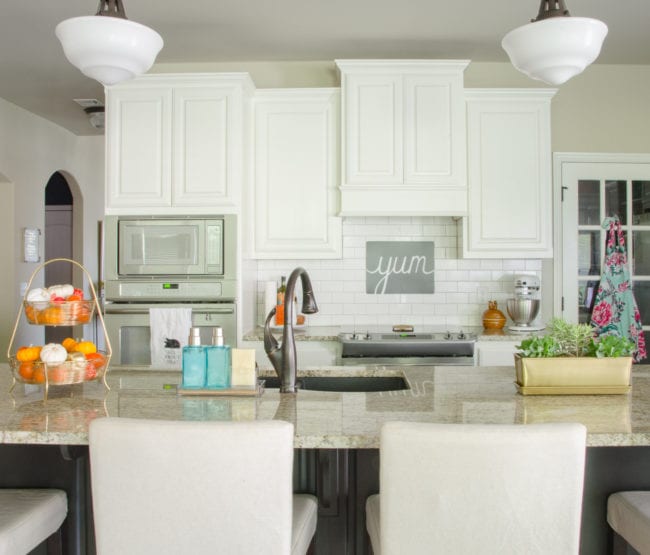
(488, 489)
(628, 513)
(170, 487)
(28, 517)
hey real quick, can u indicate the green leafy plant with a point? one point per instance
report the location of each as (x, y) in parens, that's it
(574, 340)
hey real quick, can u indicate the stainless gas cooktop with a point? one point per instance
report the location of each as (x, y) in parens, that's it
(409, 346)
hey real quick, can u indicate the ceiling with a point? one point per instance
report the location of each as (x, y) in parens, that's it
(37, 77)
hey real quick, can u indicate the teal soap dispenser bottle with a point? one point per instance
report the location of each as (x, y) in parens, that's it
(219, 367)
(194, 361)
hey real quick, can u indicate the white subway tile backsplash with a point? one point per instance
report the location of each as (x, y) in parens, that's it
(462, 286)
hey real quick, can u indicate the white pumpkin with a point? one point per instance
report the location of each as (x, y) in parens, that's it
(53, 353)
(38, 295)
(62, 291)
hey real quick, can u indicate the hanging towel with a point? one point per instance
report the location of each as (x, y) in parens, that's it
(615, 310)
(170, 329)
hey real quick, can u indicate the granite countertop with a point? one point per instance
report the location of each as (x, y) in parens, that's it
(331, 333)
(324, 419)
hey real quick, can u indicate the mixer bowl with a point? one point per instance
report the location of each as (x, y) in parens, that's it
(522, 310)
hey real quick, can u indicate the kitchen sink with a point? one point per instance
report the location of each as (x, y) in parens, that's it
(348, 384)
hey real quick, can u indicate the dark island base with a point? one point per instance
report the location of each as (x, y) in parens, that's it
(341, 478)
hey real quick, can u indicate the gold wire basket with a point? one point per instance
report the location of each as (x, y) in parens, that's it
(79, 367)
(65, 313)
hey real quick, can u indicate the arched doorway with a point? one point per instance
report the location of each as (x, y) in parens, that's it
(59, 242)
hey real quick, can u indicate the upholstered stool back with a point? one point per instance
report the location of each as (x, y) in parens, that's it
(196, 487)
(488, 489)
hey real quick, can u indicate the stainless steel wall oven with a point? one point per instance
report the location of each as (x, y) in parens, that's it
(155, 261)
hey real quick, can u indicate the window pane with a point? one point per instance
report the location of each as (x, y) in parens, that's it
(641, 252)
(586, 295)
(641, 202)
(588, 253)
(615, 201)
(642, 295)
(588, 202)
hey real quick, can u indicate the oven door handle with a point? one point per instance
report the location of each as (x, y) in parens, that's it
(108, 310)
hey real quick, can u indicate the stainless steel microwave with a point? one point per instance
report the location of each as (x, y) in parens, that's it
(170, 247)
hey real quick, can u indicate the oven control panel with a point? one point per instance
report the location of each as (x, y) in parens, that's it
(158, 290)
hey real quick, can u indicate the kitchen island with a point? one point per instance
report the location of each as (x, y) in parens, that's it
(337, 434)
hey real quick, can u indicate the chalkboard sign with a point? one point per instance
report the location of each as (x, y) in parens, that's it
(404, 267)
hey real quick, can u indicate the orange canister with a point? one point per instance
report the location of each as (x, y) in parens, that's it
(493, 318)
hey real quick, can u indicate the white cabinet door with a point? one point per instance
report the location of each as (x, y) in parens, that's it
(295, 172)
(373, 130)
(403, 143)
(138, 148)
(205, 153)
(496, 353)
(434, 141)
(509, 174)
(174, 143)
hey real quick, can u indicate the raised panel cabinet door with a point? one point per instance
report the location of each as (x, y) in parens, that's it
(509, 175)
(205, 137)
(373, 135)
(295, 174)
(434, 130)
(138, 148)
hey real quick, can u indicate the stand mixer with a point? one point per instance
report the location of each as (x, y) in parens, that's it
(524, 307)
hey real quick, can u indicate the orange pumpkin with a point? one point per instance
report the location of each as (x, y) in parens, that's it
(39, 375)
(28, 354)
(56, 374)
(30, 313)
(26, 370)
(85, 347)
(51, 315)
(69, 343)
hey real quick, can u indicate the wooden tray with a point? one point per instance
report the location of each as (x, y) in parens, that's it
(220, 392)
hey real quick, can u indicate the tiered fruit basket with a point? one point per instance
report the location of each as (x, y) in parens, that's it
(75, 362)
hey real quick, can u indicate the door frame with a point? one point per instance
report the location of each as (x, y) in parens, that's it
(559, 160)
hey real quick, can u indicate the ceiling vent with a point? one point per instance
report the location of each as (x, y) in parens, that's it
(96, 116)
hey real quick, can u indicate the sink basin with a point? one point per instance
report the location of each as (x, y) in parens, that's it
(343, 383)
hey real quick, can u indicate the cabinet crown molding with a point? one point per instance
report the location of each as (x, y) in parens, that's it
(187, 80)
(400, 66)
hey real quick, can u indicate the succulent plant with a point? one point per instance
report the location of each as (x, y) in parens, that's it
(574, 340)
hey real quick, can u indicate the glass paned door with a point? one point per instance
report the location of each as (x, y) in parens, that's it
(592, 191)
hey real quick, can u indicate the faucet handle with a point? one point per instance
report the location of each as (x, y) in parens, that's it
(270, 342)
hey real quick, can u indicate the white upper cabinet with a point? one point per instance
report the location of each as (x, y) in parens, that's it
(403, 137)
(295, 170)
(509, 174)
(175, 143)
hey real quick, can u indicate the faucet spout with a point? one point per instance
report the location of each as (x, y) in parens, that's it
(283, 356)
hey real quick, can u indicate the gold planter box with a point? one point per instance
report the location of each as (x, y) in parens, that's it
(573, 375)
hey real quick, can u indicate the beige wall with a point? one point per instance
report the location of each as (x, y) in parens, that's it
(31, 150)
(604, 109)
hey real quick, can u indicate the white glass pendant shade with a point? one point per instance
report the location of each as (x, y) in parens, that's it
(108, 49)
(555, 49)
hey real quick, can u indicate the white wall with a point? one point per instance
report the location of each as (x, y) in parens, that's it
(31, 150)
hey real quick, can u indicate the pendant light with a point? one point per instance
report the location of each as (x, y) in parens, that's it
(555, 46)
(107, 46)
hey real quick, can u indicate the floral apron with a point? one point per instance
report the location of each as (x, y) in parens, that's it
(615, 310)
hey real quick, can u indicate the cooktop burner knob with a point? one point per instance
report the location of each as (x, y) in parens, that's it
(461, 334)
(448, 335)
